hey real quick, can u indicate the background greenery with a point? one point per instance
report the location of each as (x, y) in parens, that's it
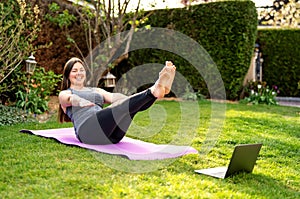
(281, 64)
(19, 27)
(228, 34)
(35, 167)
(12, 115)
(34, 91)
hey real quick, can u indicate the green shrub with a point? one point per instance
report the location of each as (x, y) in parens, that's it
(281, 66)
(10, 86)
(228, 34)
(192, 96)
(19, 27)
(12, 115)
(35, 91)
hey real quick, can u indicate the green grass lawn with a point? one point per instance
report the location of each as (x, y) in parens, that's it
(35, 167)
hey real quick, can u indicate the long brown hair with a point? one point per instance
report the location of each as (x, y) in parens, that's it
(62, 117)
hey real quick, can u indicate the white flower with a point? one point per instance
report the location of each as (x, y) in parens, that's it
(273, 93)
(252, 92)
(259, 86)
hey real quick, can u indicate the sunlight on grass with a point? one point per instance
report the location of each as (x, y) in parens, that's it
(35, 167)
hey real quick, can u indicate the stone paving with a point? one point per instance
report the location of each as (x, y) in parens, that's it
(289, 101)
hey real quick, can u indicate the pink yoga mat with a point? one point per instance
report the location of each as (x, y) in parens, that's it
(131, 148)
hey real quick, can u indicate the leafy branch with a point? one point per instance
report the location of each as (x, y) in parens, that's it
(17, 32)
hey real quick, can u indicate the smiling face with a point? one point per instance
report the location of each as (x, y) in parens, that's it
(77, 75)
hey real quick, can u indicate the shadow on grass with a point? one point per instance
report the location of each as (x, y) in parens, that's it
(259, 184)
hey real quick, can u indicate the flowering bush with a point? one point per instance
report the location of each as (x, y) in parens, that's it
(260, 93)
(34, 94)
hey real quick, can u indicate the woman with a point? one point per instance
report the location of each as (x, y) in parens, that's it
(83, 105)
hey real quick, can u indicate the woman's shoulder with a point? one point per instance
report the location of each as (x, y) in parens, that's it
(65, 92)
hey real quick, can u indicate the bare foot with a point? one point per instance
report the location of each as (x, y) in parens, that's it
(164, 83)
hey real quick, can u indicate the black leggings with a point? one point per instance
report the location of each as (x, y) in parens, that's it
(110, 124)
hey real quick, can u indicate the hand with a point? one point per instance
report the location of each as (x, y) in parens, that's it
(78, 101)
(85, 103)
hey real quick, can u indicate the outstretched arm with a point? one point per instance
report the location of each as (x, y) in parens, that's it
(109, 97)
(66, 99)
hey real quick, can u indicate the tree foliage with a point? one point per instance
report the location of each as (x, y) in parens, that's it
(19, 25)
(108, 26)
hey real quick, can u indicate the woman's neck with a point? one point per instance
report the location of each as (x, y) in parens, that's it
(77, 87)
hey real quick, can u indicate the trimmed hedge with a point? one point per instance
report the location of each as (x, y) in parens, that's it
(281, 66)
(226, 30)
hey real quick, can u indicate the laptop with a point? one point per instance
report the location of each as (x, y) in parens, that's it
(242, 160)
